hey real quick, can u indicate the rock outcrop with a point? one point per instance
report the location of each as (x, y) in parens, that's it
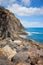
(4, 60)
(9, 24)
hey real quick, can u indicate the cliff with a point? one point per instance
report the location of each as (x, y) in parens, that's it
(9, 24)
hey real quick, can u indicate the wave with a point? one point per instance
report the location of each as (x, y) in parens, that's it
(30, 33)
(37, 33)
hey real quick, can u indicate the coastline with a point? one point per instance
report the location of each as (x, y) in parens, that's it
(35, 34)
(19, 50)
(15, 50)
(19, 47)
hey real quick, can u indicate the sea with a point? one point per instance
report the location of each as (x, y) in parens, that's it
(35, 34)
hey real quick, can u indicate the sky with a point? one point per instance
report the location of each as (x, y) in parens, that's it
(29, 12)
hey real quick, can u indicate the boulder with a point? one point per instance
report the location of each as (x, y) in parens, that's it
(21, 57)
(40, 61)
(4, 60)
(7, 51)
(23, 63)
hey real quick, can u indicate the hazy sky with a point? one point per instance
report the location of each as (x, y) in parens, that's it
(30, 12)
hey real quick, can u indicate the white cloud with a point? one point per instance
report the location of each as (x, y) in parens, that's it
(32, 24)
(24, 11)
(3, 2)
(26, 2)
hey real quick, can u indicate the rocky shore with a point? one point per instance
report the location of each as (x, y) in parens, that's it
(15, 50)
(21, 52)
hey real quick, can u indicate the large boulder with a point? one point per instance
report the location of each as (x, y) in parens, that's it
(21, 57)
(4, 60)
(7, 51)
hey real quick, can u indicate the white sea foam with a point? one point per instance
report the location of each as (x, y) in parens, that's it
(30, 33)
(37, 33)
(23, 36)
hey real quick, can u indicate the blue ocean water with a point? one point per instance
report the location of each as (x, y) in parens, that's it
(35, 34)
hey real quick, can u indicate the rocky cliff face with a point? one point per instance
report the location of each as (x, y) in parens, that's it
(8, 24)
